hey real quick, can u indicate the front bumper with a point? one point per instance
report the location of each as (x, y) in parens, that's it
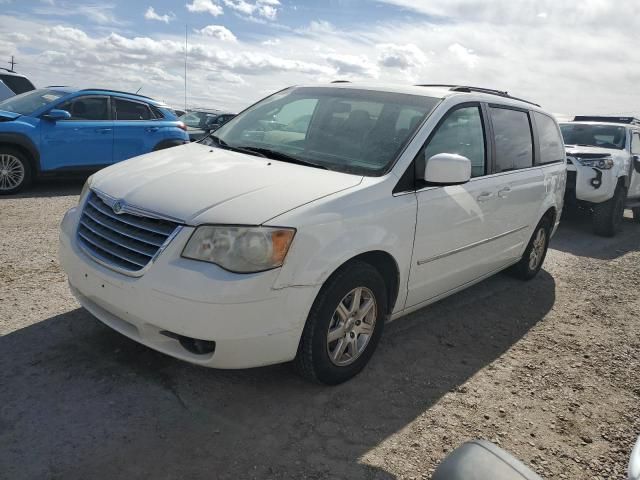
(589, 184)
(251, 323)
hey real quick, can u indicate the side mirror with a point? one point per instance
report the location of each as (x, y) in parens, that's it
(636, 163)
(634, 463)
(54, 115)
(447, 169)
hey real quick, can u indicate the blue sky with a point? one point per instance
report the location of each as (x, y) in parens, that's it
(241, 50)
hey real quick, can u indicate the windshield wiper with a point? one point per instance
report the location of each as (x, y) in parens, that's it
(224, 145)
(275, 155)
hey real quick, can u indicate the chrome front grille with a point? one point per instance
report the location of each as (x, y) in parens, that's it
(123, 241)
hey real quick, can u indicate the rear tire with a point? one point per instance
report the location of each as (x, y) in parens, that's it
(341, 333)
(636, 214)
(607, 216)
(535, 253)
(15, 171)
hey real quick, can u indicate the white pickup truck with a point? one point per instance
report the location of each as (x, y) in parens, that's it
(603, 168)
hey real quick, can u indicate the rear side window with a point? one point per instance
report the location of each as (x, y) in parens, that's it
(514, 142)
(635, 143)
(126, 110)
(87, 108)
(551, 143)
(17, 84)
(156, 112)
(462, 133)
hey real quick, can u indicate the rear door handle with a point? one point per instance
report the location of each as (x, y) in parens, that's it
(152, 129)
(103, 130)
(504, 192)
(484, 196)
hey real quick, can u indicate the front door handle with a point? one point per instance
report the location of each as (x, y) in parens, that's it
(484, 196)
(152, 129)
(504, 192)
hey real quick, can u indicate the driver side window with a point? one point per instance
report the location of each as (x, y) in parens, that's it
(462, 133)
(87, 108)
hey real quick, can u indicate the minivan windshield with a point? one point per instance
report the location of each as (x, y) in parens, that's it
(591, 135)
(344, 129)
(27, 103)
(198, 119)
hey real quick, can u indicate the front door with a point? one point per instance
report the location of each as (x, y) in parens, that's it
(458, 233)
(83, 141)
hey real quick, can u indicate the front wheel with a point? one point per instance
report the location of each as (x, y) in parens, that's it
(636, 214)
(607, 216)
(15, 171)
(535, 253)
(344, 325)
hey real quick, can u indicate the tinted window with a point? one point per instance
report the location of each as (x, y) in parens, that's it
(592, 135)
(635, 144)
(126, 110)
(461, 133)
(344, 129)
(551, 145)
(514, 144)
(29, 102)
(17, 84)
(87, 108)
(156, 112)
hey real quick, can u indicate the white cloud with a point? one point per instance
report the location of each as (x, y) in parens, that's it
(267, 9)
(271, 42)
(151, 14)
(219, 32)
(404, 57)
(464, 55)
(348, 65)
(206, 6)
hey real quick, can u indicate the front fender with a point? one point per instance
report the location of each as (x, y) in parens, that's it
(333, 231)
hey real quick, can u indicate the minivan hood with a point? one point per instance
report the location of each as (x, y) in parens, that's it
(198, 184)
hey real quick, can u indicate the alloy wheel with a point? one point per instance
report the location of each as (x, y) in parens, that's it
(12, 172)
(537, 252)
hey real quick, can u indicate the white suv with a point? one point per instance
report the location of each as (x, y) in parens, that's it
(603, 155)
(314, 217)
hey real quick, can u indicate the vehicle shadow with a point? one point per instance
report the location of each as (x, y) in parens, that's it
(78, 400)
(575, 236)
(52, 187)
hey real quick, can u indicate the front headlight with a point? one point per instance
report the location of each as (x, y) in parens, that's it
(601, 163)
(240, 249)
(85, 190)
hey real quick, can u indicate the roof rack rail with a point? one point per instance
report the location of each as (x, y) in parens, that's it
(56, 86)
(115, 91)
(8, 70)
(607, 119)
(469, 89)
(341, 81)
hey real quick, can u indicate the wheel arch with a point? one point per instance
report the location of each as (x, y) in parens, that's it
(168, 143)
(385, 264)
(23, 145)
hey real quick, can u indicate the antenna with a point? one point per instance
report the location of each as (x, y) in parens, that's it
(186, 47)
(138, 90)
(13, 63)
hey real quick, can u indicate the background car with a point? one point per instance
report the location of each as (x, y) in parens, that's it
(12, 83)
(64, 130)
(202, 121)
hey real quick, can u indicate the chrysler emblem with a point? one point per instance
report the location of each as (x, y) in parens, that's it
(118, 207)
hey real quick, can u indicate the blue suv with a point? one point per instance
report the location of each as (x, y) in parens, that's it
(63, 130)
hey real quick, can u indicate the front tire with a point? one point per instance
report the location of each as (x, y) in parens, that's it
(636, 214)
(607, 216)
(15, 171)
(535, 253)
(344, 325)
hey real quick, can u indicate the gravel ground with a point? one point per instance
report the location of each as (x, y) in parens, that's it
(548, 369)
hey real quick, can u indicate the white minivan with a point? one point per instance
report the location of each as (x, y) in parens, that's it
(303, 225)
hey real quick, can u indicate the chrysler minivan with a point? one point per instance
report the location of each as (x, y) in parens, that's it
(304, 224)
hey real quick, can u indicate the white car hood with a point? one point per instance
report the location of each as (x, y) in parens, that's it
(576, 150)
(198, 184)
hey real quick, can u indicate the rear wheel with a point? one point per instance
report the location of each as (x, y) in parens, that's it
(607, 216)
(636, 214)
(535, 253)
(344, 325)
(15, 171)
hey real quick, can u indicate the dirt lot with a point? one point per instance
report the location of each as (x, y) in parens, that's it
(549, 369)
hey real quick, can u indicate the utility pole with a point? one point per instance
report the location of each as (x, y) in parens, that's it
(186, 46)
(13, 63)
